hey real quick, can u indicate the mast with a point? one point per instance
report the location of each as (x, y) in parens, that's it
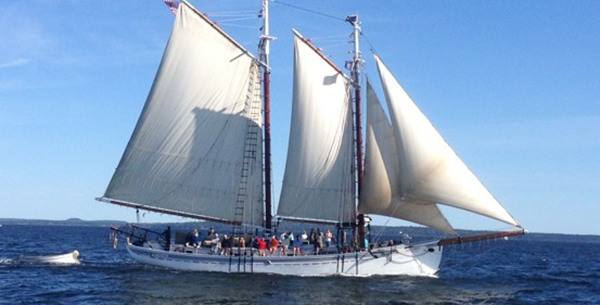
(264, 50)
(355, 71)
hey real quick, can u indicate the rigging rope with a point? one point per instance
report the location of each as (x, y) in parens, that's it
(328, 16)
(231, 13)
(340, 37)
(238, 19)
(238, 25)
(232, 18)
(368, 42)
(310, 11)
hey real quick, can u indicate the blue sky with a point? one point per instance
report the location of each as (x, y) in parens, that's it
(513, 86)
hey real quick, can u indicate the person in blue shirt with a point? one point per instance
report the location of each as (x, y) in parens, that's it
(191, 240)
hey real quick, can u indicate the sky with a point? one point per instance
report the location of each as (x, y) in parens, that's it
(513, 86)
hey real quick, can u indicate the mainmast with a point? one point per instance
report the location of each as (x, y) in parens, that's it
(264, 51)
(355, 73)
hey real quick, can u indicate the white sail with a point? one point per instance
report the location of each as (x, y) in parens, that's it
(380, 191)
(318, 181)
(187, 151)
(430, 170)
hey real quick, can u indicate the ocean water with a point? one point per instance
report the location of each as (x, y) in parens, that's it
(498, 272)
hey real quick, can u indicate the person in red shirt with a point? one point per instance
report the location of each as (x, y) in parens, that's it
(262, 247)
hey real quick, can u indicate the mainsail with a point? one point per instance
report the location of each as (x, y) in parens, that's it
(424, 171)
(318, 181)
(189, 151)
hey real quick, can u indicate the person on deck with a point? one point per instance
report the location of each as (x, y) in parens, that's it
(328, 238)
(304, 235)
(262, 246)
(274, 245)
(319, 241)
(297, 244)
(211, 233)
(167, 235)
(226, 245)
(313, 241)
(285, 243)
(191, 240)
(216, 244)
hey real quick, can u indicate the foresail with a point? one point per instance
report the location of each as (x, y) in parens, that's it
(318, 181)
(380, 190)
(430, 170)
(187, 150)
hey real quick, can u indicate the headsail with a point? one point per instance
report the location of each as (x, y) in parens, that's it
(318, 182)
(187, 151)
(430, 170)
(381, 184)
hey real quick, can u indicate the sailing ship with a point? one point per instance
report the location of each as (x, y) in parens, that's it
(201, 149)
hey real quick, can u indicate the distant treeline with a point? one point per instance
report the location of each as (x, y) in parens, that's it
(377, 232)
(68, 222)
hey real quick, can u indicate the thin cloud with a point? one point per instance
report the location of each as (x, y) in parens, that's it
(15, 63)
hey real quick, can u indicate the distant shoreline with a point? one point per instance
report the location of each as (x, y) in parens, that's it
(67, 222)
(420, 232)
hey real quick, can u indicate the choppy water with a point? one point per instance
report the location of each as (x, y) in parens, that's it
(500, 272)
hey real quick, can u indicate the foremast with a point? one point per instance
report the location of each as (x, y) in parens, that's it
(355, 75)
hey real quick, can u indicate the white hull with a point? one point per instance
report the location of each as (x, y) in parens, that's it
(415, 260)
(68, 258)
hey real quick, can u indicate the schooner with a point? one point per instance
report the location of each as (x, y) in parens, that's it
(201, 149)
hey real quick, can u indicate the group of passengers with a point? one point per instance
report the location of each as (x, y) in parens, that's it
(219, 244)
(318, 239)
(222, 245)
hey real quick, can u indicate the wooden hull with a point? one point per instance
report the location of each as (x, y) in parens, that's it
(415, 260)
